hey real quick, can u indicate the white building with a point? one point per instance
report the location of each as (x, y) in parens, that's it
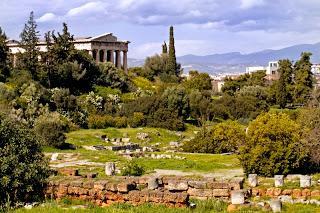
(254, 69)
(315, 69)
(272, 68)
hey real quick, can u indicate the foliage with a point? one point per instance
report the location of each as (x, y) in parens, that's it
(100, 121)
(172, 66)
(23, 169)
(274, 146)
(221, 138)
(303, 79)
(285, 83)
(4, 57)
(29, 40)
(136, 120)
(154, 66)
(51, 128)
(198, 81)
(132, 168)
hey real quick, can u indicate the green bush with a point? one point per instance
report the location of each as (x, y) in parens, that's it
(100, 121)
(274, 146)
(120, 122)
(221, 138)
(136, 120)
(132, 168)
(23, 168)
(51, 128)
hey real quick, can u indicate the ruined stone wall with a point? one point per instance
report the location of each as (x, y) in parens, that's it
(171, 191)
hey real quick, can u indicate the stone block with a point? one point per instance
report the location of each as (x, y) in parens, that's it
(306, 193)
(125, 187)
(218, 185)
(134, 196)
(278, 180)
(112, 187)
(69, 172)
(156, 196)
(153, 183)
(100, 185)
(110, 169)
(315, 193)
(296, 193)
(287, 192)
(177, 185)
(77, 183)
(220, 193)
(305, 181)
(236, 183)
(253, 180)
(275, 205)
(88, 185)
(237, 197)
(197, 184)
(200, 192)
(277, 192)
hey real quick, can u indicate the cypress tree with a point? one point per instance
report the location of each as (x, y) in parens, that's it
(172, 61)
(284, 83)
(164, 48)
(303, 78)
(29, 40)
(4, 53)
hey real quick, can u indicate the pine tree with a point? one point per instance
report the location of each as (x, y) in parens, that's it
(285, 83)
(29, 40)
(164, 48)
(63, 45)
(172, 61)
(4, 53)
(303, 78)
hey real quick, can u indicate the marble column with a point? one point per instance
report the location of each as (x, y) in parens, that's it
(125, 61)
(118, 59)
(112, 56)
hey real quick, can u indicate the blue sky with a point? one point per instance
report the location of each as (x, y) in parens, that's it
(201, 26)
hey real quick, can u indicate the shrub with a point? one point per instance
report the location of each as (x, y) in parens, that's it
(274, 146)
(132, 168)
(100, 121)
(51, 128)
(23, 169)
(224, 137)
(136, 120)
(120, 122)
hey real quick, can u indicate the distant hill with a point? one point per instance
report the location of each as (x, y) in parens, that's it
(236, 62)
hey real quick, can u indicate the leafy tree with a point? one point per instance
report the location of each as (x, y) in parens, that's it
(51, 128)
(224, 137)
(199, 81)
(154, 66)
(23, 168)
(29, 40)
(285, 82)
(4, 57)
(132, 168)
(274, 146)
(303, 79)
(200, 107)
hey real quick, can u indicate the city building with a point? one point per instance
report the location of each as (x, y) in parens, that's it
(103, 48)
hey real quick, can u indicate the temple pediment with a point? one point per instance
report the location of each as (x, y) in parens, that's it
(104, 38)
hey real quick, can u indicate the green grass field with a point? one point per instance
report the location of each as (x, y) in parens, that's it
(210, 206)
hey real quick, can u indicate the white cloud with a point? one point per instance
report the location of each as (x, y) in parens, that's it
(247, 4)
(47, 17)
(88, 8)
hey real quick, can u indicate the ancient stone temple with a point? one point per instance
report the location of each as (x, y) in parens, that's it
(103, 48)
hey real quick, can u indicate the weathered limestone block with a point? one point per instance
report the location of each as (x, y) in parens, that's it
(237, 197)
(218, 185)
(83, 191)
(200, 192)
(306, 193)
(197, 184)
(270, 192)
(177, 185)
(305, 181)
(110, 169)
(100, 185)
(236, 183)
(69, 172)
(125, 187)
(296, 193)
(254, 192)
(153, 183)
(287, 192)
(76, 183)
(277, 192)
(88, 185)
(278, 180)
(262, 192)
(220, 193)
(182, 198)
(156, 196)
(315, 193)
(134, 196)
(114, 196)
(111, 187)
(275, 205)
(253, 180)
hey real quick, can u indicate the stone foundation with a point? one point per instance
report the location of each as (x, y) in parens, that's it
(171, 191)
